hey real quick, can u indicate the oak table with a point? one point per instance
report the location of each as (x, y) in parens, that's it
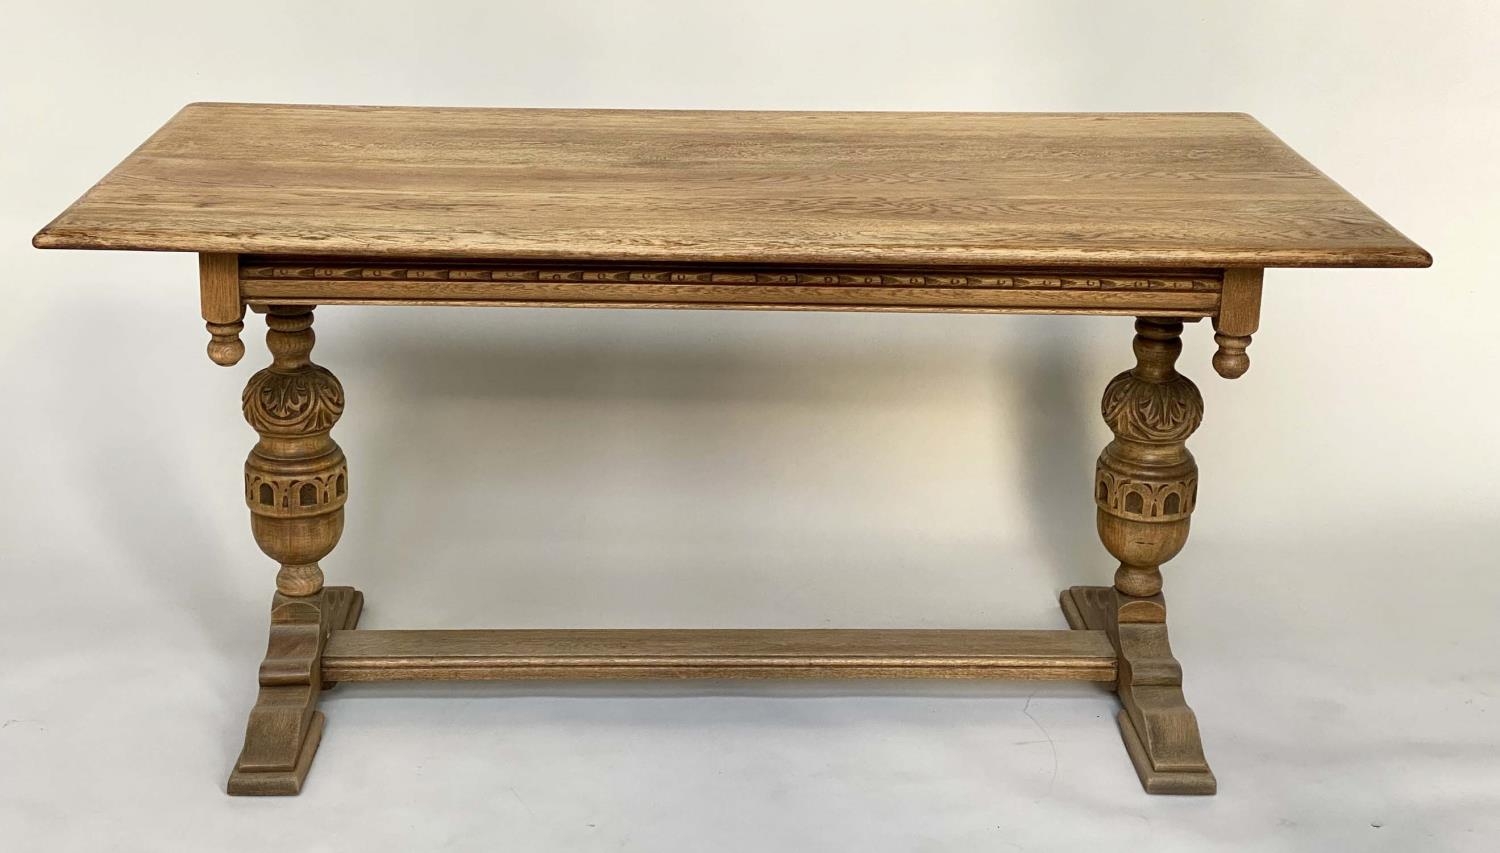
(1169, 218)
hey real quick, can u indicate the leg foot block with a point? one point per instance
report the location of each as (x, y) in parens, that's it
(1159, 729)
(250, 782)
(1199, 782)
(285, 725)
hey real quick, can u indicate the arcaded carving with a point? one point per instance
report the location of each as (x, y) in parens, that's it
(271, 493)
(298, 402)
(1146, 482)
(1144, 500)
(296, 479)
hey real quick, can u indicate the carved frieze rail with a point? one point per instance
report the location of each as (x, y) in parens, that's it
(266, 281)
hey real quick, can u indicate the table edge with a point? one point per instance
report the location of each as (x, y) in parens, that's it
(1409, 256)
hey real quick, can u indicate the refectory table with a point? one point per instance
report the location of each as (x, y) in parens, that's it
(1168, 218)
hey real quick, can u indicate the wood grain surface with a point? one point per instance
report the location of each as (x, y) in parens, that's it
(363, 655)
(266, 282)
(998, 190)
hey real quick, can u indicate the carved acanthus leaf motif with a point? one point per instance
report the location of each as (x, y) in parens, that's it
(1149, 411)
(308, 400)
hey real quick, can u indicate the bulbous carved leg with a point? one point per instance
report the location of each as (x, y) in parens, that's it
(296, 483)
(296, 480)
(1145, 488)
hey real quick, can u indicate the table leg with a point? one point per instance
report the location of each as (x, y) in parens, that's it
(296, 483)
(1145, 487)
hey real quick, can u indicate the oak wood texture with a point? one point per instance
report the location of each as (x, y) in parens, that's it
(1146, 481)
(296, 477)
(223, 307)
(1145, 491)
(331, 281)
(999, 190)
(285, 725)
(1237, 319)
(1164, 217)
(717, 653)
(1159, 729)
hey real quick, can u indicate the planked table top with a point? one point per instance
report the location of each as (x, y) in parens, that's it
(999, 190)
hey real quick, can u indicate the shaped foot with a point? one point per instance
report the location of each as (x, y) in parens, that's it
(1160, 730)
(285, 726)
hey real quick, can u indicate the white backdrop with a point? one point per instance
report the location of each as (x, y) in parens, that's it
(1334, 609)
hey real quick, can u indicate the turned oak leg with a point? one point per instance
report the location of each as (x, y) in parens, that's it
(296, 482)
(1145, 486)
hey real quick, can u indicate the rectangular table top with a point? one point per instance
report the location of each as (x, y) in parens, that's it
(997, 190)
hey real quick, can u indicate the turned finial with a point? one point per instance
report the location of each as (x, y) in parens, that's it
(223, 309)
(224, 346)
(1231, 361)
(1236, 321)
